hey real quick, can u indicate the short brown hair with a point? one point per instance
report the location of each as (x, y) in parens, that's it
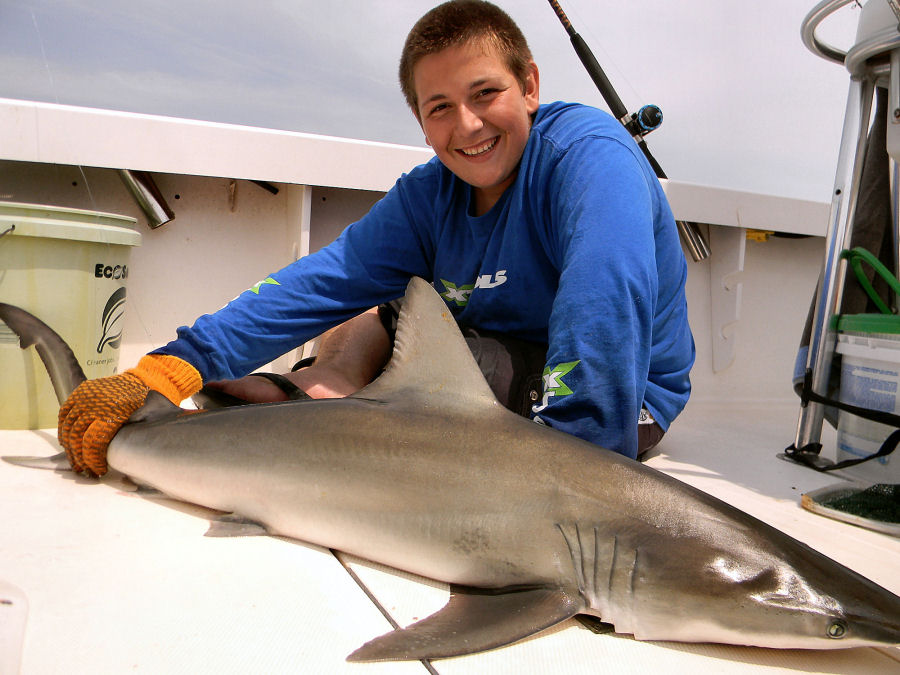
(457, 22)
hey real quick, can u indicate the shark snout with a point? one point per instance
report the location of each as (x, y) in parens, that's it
(869, 615)
(869, 626)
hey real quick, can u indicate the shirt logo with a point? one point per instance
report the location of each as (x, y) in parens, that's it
(486, 281)
(265, 282)
(459, 294)
(554, 384)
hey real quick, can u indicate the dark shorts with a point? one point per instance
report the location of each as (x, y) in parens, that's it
(514, 370)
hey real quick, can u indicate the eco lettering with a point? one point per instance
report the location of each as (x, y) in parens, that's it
(102, 271)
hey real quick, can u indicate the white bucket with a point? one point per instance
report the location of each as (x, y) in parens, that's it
(68, 267)
(870, 378)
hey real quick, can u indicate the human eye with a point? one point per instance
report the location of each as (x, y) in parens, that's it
(436, 109)
(487, 92)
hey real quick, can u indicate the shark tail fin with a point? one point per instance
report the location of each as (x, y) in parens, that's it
(59, 360)
(472, 621)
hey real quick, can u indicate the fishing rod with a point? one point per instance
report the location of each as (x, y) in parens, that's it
(638, 124)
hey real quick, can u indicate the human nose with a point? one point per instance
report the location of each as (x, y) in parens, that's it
(468, 121)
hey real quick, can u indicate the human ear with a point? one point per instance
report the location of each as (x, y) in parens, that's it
(531, 89)
(424, 133)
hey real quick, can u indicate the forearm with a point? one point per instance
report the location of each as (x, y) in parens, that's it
(349, 357)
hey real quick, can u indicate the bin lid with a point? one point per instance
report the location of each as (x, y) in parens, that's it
(888, 324)
(55, 222)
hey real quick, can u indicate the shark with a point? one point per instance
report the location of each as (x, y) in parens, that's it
(424, 471)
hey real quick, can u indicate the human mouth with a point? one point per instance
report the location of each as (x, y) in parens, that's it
(480, 149)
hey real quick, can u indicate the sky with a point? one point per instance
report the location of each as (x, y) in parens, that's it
(745, 105)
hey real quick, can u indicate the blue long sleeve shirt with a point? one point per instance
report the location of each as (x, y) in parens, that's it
(581, 253)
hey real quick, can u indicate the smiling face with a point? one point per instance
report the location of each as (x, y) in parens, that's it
(476, 116)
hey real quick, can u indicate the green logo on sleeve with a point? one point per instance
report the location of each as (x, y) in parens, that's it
(458, 294)
(554, 384)
(265, 282)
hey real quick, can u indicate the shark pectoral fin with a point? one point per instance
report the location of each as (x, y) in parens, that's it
(57, 462)
(233, 525)
(472, 621)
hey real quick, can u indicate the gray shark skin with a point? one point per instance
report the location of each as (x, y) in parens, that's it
(424, 471)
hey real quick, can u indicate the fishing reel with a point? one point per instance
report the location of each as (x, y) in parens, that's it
(640, 123)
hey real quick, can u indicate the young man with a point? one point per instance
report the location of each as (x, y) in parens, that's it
(540, 223)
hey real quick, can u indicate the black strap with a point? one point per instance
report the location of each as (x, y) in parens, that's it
(293, 392)
(808, 455)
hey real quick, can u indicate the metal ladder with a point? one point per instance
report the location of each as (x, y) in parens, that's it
(873, 61)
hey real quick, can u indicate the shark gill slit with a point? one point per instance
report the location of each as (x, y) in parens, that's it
(575, 555)
(632, 573)
(612, 564)
(582, 578)
(594, 577)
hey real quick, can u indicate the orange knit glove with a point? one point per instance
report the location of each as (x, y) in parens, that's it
(97, 409)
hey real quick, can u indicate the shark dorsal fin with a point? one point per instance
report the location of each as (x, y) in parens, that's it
(431, 363)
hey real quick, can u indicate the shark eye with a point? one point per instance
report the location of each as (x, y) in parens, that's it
(837, 629)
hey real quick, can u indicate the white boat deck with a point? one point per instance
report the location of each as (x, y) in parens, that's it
(120, 583)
